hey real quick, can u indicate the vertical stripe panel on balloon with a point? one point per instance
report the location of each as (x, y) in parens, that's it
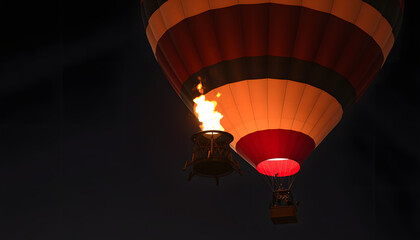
(276, 92)
(258, 91)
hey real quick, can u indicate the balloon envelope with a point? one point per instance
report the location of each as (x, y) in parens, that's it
(286, 70)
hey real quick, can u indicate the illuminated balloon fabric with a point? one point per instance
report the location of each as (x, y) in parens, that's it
(286, 69)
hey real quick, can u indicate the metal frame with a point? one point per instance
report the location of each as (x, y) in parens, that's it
(212, 156)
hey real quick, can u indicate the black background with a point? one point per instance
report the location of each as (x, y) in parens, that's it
(93, 140)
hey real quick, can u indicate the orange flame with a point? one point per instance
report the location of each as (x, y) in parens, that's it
(200, 88)
(206, 113)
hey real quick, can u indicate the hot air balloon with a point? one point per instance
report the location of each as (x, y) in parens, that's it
(285, 71)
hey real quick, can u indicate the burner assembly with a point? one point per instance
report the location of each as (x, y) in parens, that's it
(212, 156)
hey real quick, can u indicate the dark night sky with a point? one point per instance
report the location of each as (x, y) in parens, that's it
(93, 140)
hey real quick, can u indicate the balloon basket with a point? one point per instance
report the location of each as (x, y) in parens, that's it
(283, 210)
(212, 156)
